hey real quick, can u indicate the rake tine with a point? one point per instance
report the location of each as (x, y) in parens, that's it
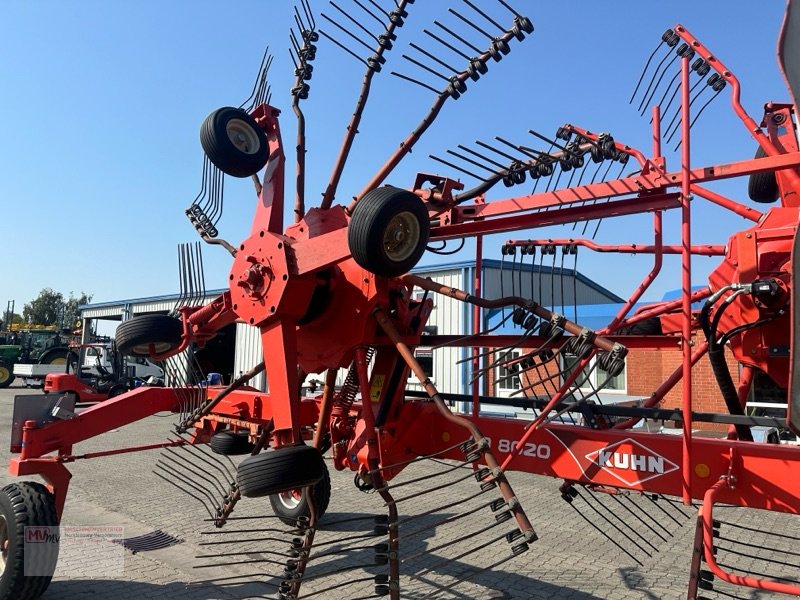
(355, 22)
(646, 99)
(309, 14)
(438, 564)
(210, 459)
(653, 78)
(484, 15)
(219, 468)
(641, 77)
(457, 168)
(697, 116)
(611, 523)
(242, 562)
(339, 585)
(471, 24)
(433, 57)
(427, 68)
(380, 8)
(483, 156)
(618, 518)
(429, 527)
(516, 14)
(412, 80)
(343, 47)
(447, 45)
(661, 508)
(459, 38)
(495, 150)
(220, 488)
(454, 542)
(192, 485)
(183, 463)
(605, 535)
(186, 491)
(257, 82)
(370, 13)
(471, 161)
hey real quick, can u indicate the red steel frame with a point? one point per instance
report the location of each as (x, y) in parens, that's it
(274, 274)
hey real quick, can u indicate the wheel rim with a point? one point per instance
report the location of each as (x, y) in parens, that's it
(291, 499)
(4, 374)
(3, 543)
(157, 348)
(59, 361)
(401, 236)
(242, 136)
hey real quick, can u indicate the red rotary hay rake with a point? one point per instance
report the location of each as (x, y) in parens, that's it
(332, 292)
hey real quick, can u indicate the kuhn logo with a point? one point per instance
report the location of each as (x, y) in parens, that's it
(631, 462)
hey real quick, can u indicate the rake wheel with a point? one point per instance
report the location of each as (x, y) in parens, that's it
(149, 334)
(22, 505)
(230, 443)
(290, 506)
(388, 231)
(281, 470)
(762, 187)
(234, 142)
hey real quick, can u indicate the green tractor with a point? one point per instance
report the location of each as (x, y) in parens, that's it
(30, 346)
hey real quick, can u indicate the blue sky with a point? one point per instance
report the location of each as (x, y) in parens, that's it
(101, 105)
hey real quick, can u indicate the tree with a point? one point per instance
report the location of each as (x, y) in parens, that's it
(71, 313)
(50, 308)
(46, 309)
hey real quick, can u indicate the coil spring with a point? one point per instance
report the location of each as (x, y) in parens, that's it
(347, 395)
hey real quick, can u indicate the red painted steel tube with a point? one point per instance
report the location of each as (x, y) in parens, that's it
(701, 250)
(652, 181)
(656, 132)
(686, 283)
(728, 76)
(540, 311)
(366, 404)
(558, 215)
(745, 383)
(708, 548)
(733, 206)
(326, 406)
(355, 119)
(476, 325)
(660, 309)
(520, 445)
(74, 457)
(649, 278)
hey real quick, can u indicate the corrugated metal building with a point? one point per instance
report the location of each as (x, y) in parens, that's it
(556, 287)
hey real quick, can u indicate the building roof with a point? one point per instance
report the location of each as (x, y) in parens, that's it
(488, 263)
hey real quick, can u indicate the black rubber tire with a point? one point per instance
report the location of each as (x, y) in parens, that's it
(117, 390)
(27, 504)
(55, 354)
(290, 514)
(6, 374)
(280, 470)
(222, 152)
(762, 187)
(230, 443)
(650, 326)
(368, 227)
(136, 335)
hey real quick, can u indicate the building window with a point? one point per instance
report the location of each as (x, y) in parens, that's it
(507, 379)
(594, 376)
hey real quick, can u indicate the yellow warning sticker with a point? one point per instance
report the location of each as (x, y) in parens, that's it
(376, 387)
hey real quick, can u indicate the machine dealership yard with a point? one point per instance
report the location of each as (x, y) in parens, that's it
(572, 560)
